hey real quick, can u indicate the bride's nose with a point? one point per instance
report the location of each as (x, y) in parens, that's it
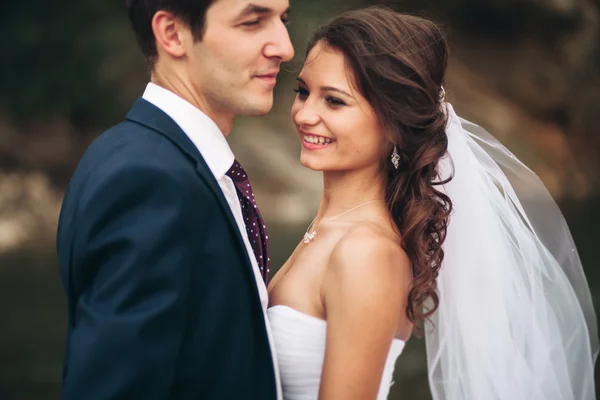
(305, 114)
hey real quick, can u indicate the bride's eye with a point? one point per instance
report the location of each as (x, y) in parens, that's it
(334, 101)
(302, 93)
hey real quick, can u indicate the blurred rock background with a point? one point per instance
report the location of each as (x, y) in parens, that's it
(527, 70)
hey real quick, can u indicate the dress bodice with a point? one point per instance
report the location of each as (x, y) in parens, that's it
(300, 345)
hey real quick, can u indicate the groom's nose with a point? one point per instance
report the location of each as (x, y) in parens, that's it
(280, 45)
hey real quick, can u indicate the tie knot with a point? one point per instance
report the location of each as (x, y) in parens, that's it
(237, 172)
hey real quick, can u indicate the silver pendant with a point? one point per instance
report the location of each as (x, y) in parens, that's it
(308, 237)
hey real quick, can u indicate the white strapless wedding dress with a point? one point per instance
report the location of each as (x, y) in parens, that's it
(300, 346)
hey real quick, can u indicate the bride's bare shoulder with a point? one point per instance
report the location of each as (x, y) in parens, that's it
(370, 243)
(369, 256)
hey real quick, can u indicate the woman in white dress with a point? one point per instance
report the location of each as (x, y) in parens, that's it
(419, 222)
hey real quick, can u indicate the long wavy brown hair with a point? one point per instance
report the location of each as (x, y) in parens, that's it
(398, 63)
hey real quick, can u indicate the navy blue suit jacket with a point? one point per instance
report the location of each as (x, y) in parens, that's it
(162, 300)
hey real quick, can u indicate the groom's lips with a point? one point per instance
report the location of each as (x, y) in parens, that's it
(269, 78)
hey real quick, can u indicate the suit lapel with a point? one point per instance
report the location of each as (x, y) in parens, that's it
(147, 114)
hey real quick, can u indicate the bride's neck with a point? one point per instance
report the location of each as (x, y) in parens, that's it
(343, 190)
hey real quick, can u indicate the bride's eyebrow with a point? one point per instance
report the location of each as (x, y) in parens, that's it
(327, 88)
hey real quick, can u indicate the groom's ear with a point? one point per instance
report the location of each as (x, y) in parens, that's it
(170, 33)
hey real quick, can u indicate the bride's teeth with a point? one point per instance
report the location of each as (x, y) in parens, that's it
(317, 139)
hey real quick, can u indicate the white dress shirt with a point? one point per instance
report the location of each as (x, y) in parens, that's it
(212, 145)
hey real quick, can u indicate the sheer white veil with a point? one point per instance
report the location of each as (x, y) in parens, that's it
(515, 319)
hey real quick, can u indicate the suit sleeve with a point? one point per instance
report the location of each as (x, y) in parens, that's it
(133, 255)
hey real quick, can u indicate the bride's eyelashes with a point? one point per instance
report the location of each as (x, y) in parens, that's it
(331, 100)
(334, 101)
(301, 93)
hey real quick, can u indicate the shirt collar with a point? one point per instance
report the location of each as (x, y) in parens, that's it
(201, 130)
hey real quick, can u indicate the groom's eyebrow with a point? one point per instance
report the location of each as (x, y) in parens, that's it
(251, 9)
(327, 88)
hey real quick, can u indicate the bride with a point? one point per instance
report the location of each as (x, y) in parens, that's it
(426, 226)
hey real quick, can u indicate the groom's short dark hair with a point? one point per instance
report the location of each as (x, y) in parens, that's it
(141, 12)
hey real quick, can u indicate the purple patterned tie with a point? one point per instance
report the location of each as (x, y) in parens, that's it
(255, 227)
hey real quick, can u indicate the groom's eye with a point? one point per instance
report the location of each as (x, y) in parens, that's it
(252, 23)
(285, 19)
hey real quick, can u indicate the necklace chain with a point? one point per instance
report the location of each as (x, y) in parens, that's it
(308, 237)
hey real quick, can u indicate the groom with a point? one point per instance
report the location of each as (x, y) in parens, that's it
(163, 252)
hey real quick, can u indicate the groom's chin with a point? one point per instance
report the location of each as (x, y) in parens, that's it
(259, 107)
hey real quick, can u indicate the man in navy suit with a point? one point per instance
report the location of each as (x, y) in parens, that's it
(163, 252)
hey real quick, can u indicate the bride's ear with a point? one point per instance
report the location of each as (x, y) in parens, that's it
(170, 34)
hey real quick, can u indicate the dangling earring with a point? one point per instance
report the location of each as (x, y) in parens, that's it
(395, 158)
